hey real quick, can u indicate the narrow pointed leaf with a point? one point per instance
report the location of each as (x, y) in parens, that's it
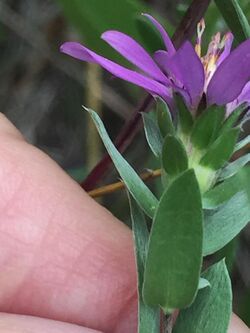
(221, 150)
(174, 156)
(224, 223)
(148, 317)
(211, 311)
(175, 246)
(153, 134)
(227, 189)
(241, 144)
(207, 127)
(233, 118)
(235, 18)
(140, 192)
(165, 121)
(185, 119)
(232, 168)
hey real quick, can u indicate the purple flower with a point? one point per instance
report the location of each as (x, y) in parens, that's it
(221, 74)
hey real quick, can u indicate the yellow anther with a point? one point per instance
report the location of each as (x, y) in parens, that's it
(200, 29)
(214, 51)
(198, 49)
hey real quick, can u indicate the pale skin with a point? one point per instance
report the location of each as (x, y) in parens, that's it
(66, 263)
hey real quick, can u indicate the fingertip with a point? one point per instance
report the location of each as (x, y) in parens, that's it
(7, 129)
(237, 325)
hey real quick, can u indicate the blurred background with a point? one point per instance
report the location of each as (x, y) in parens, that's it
(42, 91)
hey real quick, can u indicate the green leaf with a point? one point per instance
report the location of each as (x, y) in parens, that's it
(152, 133)
(233, 118)
(148, 318)
(235, 18)
(228, 252)
(165, 121)
(185, 119)
(175, 246)
(234, 167)
(207, 127)
(211, 311)
(224, 223)
(140, 192)
(241, 144)
(203, 283)
(92, 18)
(227, 189)
(174, 156)
(221, 150)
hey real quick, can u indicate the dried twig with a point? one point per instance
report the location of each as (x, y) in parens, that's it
(111, 188)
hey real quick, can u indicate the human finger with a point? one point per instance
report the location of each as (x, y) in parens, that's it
(237, 325)
(62, 256)
(11, 323)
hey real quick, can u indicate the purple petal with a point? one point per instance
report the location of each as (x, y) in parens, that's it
(164, 61)
(165, 37)
(231, 76)
(227, 48)
(244, 97)
(170, 66)
(78, 51)
(135, 53)
(186, 70)
(161, 57)
(191, 70)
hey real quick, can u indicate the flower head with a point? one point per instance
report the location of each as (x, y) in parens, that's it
(220, 74)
